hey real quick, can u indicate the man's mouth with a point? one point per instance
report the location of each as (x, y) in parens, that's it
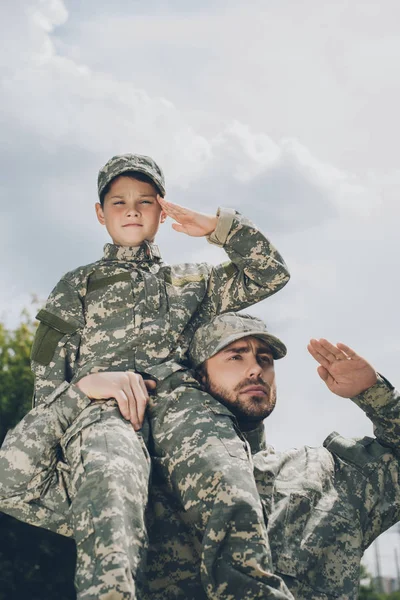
(255, 389)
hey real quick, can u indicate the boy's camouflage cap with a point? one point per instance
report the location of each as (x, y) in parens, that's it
(117, 165)
(224, 329)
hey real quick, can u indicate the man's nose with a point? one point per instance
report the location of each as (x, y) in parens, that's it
(255, 369)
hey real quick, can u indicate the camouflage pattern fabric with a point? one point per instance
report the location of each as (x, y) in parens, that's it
(200, 454)
(324, 507)
(225, 329)
(117, 165)
(129, 311)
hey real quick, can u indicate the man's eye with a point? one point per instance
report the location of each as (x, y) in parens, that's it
(266, 359)
(236, 357)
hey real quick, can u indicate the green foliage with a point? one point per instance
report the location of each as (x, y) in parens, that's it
(16, 379)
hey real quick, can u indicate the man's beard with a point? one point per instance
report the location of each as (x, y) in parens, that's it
(250, 409)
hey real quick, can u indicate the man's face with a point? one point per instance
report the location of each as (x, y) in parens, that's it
(242, 377)
(131, 212)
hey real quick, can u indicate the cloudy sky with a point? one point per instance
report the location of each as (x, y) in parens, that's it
(286, 111)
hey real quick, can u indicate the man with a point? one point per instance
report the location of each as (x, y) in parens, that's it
(324, 506)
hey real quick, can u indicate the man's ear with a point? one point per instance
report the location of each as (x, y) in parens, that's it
(100, 213)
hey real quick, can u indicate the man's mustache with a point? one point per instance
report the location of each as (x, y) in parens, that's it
(252, 381)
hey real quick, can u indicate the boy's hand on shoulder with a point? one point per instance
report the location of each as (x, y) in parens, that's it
(188, 221)
(129, 389)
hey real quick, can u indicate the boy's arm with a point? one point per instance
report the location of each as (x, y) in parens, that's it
(256, 270)
(56, 343)
(31, 480)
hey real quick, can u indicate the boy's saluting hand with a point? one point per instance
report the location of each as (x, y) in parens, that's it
(188, 221)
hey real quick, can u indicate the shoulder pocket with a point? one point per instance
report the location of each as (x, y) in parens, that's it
(362, 453)
(50, 331)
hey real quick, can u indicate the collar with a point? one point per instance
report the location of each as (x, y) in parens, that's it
(147, 251)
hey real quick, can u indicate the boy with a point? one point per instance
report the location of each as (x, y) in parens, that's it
(105, 327)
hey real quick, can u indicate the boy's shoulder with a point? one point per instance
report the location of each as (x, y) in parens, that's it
(187, 272)
(77, 278)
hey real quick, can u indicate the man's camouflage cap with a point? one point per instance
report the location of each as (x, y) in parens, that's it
(117, 165)
(224, 329)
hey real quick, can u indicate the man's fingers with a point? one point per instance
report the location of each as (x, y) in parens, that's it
(331, 352)
(350, 353)
(323, 373)
(313, 349)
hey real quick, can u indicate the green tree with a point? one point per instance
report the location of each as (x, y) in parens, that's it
(34, 564)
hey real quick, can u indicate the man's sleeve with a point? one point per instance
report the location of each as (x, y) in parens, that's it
(381, 404)
(369, 469)
(367, 481)
(256, 269)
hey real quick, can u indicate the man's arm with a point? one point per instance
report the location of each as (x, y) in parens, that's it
(369, 469)
(349, 375)
(256, 270)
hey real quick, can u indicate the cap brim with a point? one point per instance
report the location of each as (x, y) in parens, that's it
(278, 348)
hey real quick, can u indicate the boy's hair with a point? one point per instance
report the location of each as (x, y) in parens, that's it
(133, 175)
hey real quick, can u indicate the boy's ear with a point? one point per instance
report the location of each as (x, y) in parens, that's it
(163, 216)
(100, 213)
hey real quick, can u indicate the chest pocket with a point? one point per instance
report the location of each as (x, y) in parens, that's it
(315, 540)
(185, 293)
(109, 302)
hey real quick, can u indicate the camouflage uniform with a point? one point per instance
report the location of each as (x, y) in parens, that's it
(324, 506)
(129, 311)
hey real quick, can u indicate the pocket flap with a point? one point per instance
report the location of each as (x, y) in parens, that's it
(62, 325)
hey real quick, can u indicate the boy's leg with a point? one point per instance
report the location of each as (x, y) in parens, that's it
(209, 467)
(109, 477)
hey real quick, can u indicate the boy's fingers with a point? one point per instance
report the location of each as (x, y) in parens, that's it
(178, 227)
(123, 404)
(150, 384)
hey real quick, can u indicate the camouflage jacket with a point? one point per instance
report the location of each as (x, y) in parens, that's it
(126, 311)
(129, 311)
(324, 506)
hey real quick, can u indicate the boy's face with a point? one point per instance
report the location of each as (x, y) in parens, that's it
(130, 212)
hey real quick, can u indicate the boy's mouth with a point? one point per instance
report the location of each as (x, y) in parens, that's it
(132, 225)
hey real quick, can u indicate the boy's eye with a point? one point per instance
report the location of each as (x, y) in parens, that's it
(118, 202)
(146, 202)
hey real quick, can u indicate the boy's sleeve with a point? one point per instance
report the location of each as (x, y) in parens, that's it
(256, 269)
(32, 480)
(56, 343)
